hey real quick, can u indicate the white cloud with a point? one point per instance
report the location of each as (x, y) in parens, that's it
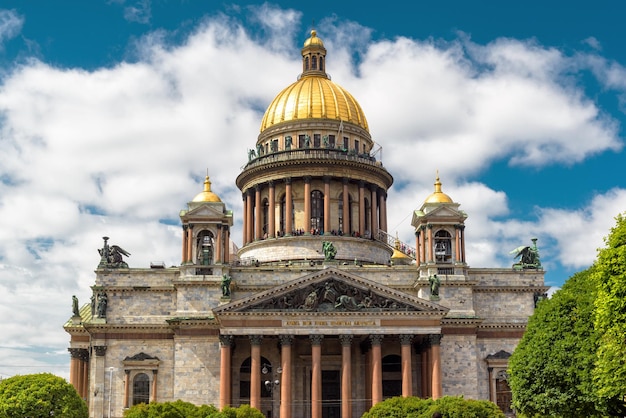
(84, 154)
(10, 24)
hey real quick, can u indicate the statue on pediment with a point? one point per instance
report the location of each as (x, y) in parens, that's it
(226, 279)
(528, 257)
(329, 250)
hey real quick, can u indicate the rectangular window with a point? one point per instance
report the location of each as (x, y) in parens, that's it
(317, 140)
(346, 143)
(301, 141)
(331, 141)
(356, 146)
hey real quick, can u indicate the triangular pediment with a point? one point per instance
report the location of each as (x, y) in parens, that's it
(207, 210)
(331, 290)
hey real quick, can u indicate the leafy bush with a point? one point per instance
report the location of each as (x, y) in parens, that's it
(40, 395)
(448, 407)
(180, 409)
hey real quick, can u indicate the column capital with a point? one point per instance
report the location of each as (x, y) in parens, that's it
(316, 339)
(227, 340)
(405, 339)
(307, 179)
(285, 339)
(185, 227)
(376, 339)
(346, 340)
(326, 179)
(100, 350)
(256, 339)
(270, 183)
(79, 353)
(287, 180)
(435, 339)
(345, 180)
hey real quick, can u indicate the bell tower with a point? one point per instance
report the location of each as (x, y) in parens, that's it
(440, 235)
(206, 233)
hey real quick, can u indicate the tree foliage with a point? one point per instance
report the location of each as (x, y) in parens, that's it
(40, 395)
(448, 407)
(180, 409)
(610, 316)
(550, 370)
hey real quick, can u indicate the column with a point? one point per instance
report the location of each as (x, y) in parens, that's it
(346, 208)
(84, 392)
(126, 389)
(245, 219)
(190, 243)
(219, 246)
(377, 369)
(307, 205)
(271, 211)
(255, 371)
(463, 243)
(285, 386)
(226, 244)
(430, 243)
(346, 376)
(407, 371)
(361, 208)
(288, 208)
(249, 218)
(225, 370)
(374, 220)
(153, 397)
(316, 376)
(184, 244)
(383, 209)
(74, 359)
(418, 250)
(258, 218)
(326, 205)
(435, 361)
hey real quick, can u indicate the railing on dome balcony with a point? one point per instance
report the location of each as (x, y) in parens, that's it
(395, 243)
(306, 153)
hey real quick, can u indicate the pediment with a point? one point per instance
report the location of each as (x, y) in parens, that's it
(207, 210)
(440, 213)
(331, 290)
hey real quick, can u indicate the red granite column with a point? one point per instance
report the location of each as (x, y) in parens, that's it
(249, 218)
(361, 208)
(374, 214)
(244, 212)
(258, 221)
(190, 243)
(382, 205)
(154, 386)
(426, 386)
(407, 370)
(346, 208)
(184, 244)
(127, 389)
(430, 243)
(327, 205)
(435, 357)
(346, 376)
(225, 370)
(255, 371)
(307, 205)
(219, 245)
(316, 376)
(377, 369)
(288, 208)
(285, 386)
(271, 212)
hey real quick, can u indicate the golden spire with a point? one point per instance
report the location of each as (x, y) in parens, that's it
(438, 196)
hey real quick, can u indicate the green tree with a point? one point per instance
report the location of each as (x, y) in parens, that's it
(40, 395)
(551, 368)
(448, 406)
(610, 319)
(180, 409)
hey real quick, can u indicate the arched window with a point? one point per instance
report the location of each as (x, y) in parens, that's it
(314, 62)
(306, 63)
(321, 63)
(392, 376)
(141, 389)
(317, 211)
(204, 248)
(443, 246)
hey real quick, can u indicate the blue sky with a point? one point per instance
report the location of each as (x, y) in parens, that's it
(111, 113)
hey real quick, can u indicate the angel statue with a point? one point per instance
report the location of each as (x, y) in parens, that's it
(111, 256)
(528, 257)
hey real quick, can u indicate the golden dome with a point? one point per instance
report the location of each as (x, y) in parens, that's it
(314, 95)
(206, 195)
(438, 196)
(313, 40)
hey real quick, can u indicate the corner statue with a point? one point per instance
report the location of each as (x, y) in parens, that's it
(226, 285)
(75, 310)
(528, 255)
(111, 256)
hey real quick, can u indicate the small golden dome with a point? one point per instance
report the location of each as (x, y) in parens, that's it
(438, 196)
(313, 40)
(206, 195)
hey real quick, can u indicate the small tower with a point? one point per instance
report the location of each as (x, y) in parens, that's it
(440, 237)
(206, 233)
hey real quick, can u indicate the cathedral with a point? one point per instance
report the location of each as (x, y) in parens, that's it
(321, 312)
